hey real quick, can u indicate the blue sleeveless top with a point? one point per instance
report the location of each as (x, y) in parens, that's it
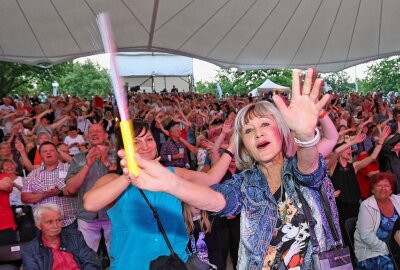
(135, 238)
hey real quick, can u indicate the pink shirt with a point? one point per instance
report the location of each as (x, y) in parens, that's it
(62, 260)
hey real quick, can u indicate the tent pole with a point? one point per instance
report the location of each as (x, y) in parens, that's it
(152, 83)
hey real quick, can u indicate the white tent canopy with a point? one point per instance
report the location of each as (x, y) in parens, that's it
(328, 35)
(268, 86)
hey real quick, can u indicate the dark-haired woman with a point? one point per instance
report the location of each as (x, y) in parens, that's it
(136, 239)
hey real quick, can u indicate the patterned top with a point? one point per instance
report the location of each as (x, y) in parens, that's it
(40, 180)
(170, 148)
(386, 225)
(248, 193)
(288, 245)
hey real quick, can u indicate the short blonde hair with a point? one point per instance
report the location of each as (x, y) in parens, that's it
(262, 108)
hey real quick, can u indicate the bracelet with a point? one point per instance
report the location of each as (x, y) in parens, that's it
(226, 151)
(311, 142)
(322, 115)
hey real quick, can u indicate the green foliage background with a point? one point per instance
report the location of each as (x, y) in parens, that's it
(381, 75)
(242, 82)
(83, 79)
(88, 79)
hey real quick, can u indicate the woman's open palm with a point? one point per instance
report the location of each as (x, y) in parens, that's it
(302, 113)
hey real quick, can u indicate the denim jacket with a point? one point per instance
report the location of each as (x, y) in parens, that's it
(36, 256)
(248, 193)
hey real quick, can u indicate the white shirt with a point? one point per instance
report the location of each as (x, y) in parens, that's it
(83, 124)
(15, 195)
(68, 140)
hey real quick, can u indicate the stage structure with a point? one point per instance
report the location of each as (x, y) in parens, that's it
(154, 72)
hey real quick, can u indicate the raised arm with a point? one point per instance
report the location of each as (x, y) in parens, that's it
(330, 135)
(214, 175)
(384, 132)
(24, 157)
(105, 192)
(193, 149)
(154, 177)
(40, 115)
(75, 179)
(226, 131)
(335, 155)
(301, 116)
(60, 122)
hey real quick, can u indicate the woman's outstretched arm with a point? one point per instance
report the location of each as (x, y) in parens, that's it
(105, 192)
(155, 177)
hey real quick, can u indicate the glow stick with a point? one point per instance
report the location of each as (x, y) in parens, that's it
(103, 21)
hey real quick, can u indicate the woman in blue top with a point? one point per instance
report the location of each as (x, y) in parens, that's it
(136, 239)
(274, 232)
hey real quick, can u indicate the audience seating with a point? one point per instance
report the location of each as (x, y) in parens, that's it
(9, 253)
(350, 225)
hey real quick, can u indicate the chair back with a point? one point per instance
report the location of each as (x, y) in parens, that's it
(393, 247)
(11, 252)
(23, 217)
(8, 267)
(350, 226)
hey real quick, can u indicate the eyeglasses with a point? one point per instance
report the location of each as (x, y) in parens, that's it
(50, 222)
(383, 186)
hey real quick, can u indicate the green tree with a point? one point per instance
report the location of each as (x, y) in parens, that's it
(53, 73)
(20, 78)
(383, 75)
(86, 80)
(339, 82)
(242, 82)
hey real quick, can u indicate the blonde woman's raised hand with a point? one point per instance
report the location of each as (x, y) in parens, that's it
(302, 113)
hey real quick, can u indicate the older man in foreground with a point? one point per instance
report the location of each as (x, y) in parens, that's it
(55, 248)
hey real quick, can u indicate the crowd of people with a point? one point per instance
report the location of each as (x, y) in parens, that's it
(227, 177)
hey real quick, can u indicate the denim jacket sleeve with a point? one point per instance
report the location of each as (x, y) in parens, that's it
(314, 179)
(231, 189)
(30, 255)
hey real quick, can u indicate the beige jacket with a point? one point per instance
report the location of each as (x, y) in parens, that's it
(366, 243)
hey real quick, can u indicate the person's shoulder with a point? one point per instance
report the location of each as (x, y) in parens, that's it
(79, 159)
(395, 198)
(80, 156)
(370, 202)
(31, 246)
(71, 232)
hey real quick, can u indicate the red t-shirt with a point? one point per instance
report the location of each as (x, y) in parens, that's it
(6, 214)
(61, 259)
(38, 159)
(362, 176)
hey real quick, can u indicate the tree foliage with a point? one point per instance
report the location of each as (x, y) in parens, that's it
(82, 79)
(86, 80)
(242, 82)
(383, 75)
(339, 82)
(20, 78)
